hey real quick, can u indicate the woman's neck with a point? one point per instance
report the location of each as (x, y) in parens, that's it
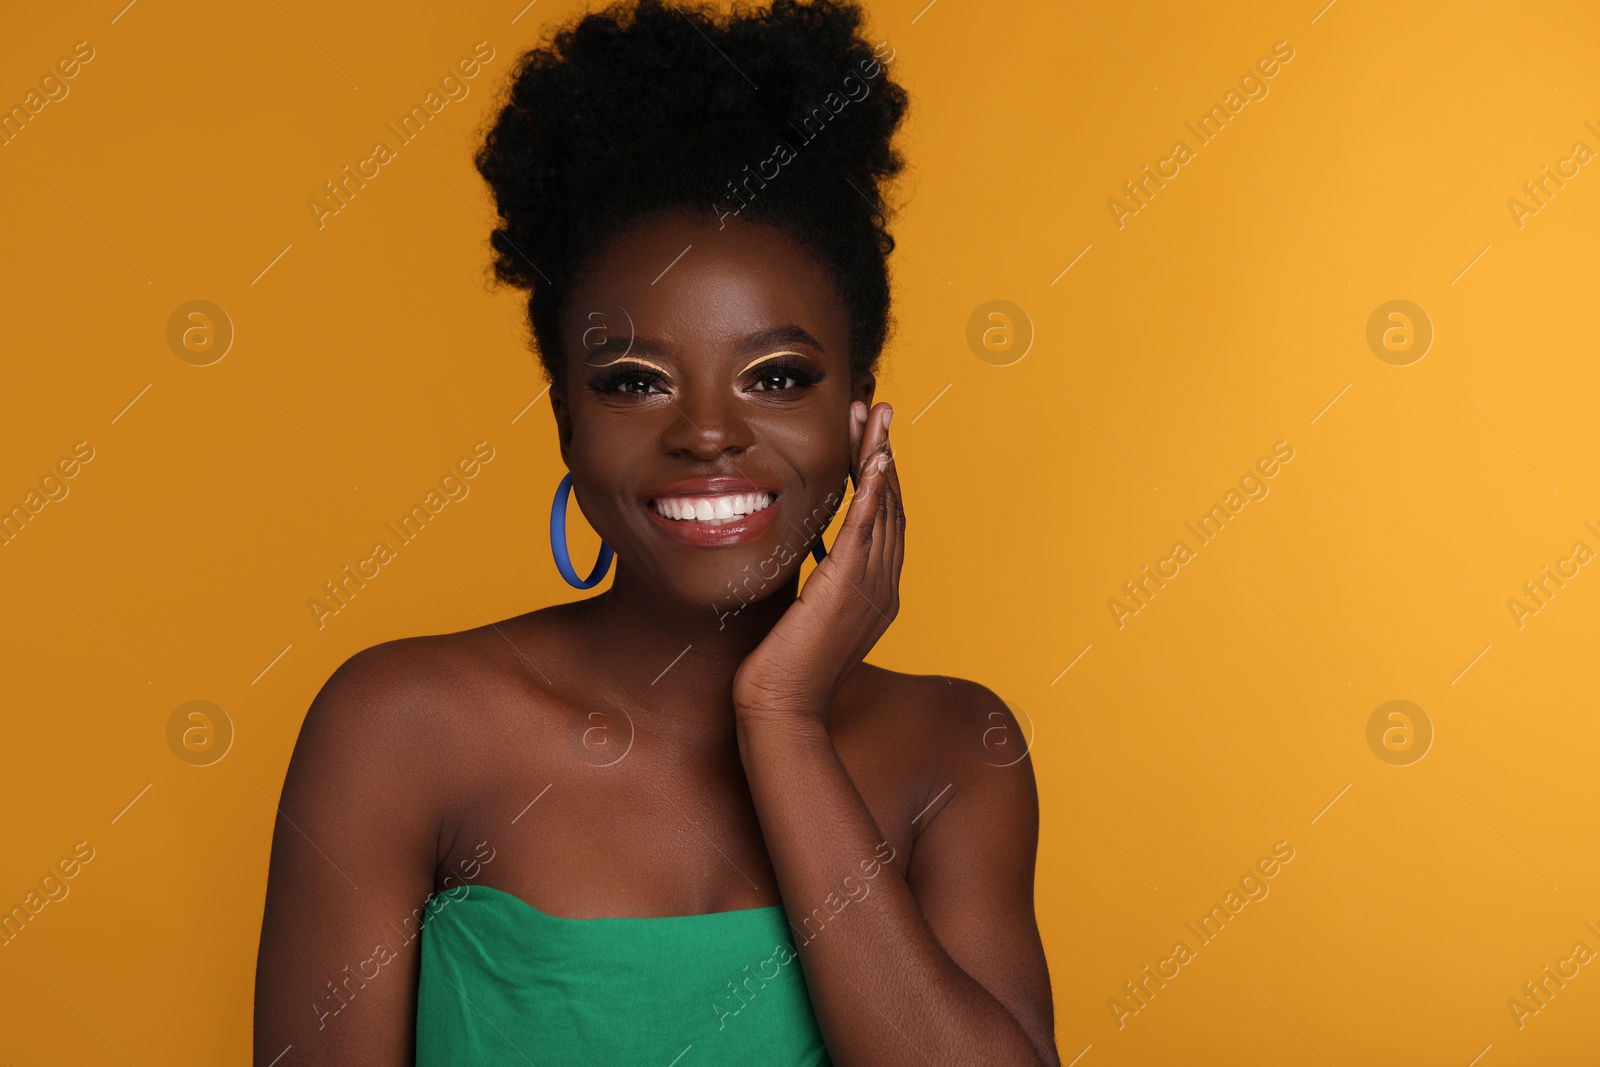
(677, 660)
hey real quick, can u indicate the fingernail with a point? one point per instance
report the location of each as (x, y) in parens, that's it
(887, 415)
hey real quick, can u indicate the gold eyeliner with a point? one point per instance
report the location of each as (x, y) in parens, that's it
(763, 359)
(631, 359)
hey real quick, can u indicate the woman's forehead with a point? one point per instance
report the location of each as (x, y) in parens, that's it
(677, 281)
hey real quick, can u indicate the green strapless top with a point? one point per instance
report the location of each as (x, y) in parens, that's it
(502, 982)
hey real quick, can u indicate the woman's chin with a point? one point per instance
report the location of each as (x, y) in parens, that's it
(728, 587)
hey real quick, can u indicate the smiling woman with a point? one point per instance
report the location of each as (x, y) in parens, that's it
(758, 758)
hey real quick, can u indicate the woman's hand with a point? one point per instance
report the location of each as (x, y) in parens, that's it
(847, 603)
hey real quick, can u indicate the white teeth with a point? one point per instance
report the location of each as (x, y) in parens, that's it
(715, 510)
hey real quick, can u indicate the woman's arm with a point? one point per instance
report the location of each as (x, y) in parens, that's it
(942, 964)
(354, 852)
(946, 965)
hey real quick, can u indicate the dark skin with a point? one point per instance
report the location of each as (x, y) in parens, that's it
(677, 745)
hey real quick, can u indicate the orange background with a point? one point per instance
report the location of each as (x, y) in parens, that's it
(1229, 313)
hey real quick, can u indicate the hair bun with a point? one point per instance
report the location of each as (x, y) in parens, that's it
(642, 106)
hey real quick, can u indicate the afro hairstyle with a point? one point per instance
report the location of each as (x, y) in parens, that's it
(783, 116)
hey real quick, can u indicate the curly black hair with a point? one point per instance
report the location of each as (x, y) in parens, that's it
(645, 108)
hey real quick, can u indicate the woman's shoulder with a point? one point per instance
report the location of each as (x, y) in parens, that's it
(424, 693)
(932, 700)
(949, 721)
(943, 740)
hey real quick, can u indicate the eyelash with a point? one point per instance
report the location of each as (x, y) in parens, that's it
(803, 377)
(615, 381)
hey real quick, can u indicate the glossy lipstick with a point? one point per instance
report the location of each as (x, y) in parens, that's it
(717, 499)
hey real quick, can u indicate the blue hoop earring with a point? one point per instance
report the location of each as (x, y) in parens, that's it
(818, 553)
(558, 542)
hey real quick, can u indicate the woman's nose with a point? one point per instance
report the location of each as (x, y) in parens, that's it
(706, 426)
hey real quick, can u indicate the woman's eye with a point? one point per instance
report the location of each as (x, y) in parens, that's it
(780, 378)
(775, 380)
(638, 383)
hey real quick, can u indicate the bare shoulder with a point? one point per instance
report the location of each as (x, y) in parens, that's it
(421, 702)
(954, 717)
(400, 689)
(950, 734)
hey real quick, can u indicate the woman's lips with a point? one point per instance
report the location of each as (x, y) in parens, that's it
(711, 508)
(713, 511)
(721, 532)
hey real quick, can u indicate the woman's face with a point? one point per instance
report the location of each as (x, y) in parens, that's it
(706, 412)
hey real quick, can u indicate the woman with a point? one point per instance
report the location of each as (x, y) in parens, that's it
(679, 821)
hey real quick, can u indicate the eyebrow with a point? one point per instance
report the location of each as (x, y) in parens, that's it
(778, 335)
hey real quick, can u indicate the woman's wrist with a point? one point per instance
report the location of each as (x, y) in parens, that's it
(795, 725)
